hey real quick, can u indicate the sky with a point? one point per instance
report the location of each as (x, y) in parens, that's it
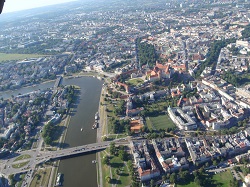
(16, 5)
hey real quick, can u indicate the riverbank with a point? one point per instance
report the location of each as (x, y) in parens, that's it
(7, 93)
(54, 170)
(64, 123)
(99, 138)
(81, 117)
(67, 119)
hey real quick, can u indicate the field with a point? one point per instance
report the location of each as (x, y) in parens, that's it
(161, 122)
(222, 179)
(218, 180)
(149, 124)
(191, 184)
(121, 180)
(135, 82)
(5, 57)
(22, 157)
(105, 171)
(41, 178)
(20, 165)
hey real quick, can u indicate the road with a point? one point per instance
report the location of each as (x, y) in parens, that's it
(43, 156)
(38, 156)
(222, 169)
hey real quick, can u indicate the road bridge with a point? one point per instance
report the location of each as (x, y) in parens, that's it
(57, 83)
(6, 167)
(49, 155)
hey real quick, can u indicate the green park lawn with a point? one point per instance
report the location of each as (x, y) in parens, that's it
(135, 81)
(20, 165)
(217, 180)
(41, 178)
(162, 122)
(22, 157)
(5, 56)
(105, 170)
(121, 180)
(191, 184)
(149, 123)
(222, 179)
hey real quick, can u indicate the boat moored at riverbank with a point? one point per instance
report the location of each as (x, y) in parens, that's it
(95, 126)
(96, 116)
(59, 179)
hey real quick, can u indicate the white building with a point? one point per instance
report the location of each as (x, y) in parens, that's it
(182, 120)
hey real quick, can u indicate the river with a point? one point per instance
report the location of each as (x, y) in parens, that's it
(77, 171)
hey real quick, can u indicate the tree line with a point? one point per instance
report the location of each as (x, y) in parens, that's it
(213, 54)
(145, 52)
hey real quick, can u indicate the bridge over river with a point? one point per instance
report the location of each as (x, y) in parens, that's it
(10, 166)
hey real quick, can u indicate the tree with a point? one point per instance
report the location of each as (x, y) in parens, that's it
(105, 138)
(152, 183)
(201, 170)
(173, 177)
(183, 174)
(117, 171)
(207, 164)
(11, 177)
(215, 163)
(246, 32)
(108, 179)
(106, 160)
(130, 166)
(112, 148)
(122, 155)
(233, 183)
(163, 178)
(197, 181)
(135, 184)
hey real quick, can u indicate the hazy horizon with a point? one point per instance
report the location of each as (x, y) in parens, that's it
(17, 5)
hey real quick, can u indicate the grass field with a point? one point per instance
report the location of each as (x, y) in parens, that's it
(191, 184)
(162, 122)
(135, 82)
(20, 165)
(218, 180)
(41, 178)
(4, 56)
(105, 171)
(222, 179)
(22, 157)
(149, 124)
(121, 180)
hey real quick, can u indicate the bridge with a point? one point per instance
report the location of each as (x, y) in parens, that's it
(37, 157)
(57, 83)
(50, 155)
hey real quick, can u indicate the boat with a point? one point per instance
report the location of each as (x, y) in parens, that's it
(96, 116)
(93, 161)
(95, 125)
(58, 179)
(81, 129)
